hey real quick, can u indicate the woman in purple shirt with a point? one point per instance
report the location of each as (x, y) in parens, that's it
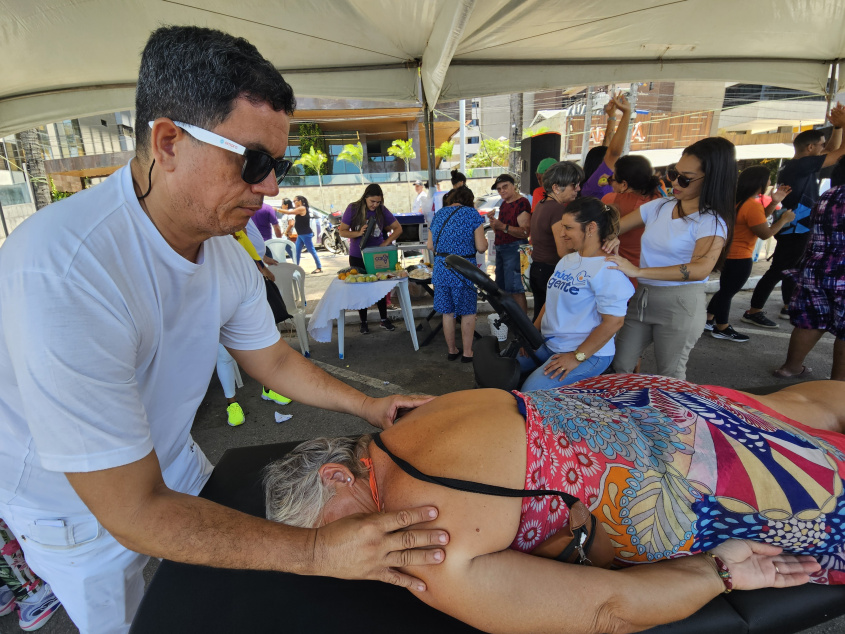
(606, 155)
(353, 224)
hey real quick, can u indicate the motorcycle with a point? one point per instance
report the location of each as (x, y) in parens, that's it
(331, 240)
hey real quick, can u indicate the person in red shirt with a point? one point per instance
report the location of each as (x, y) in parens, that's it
(539, 192)
(634, 183)
(512, 228)
(751, 224)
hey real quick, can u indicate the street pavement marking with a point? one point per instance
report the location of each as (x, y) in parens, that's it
(349, 375)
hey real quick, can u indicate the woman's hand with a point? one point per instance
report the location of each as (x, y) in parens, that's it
(754, 565)
(621, 102)
(787, 216)
(560, 365)
(780, 193)
(623, 265)
(610, 107)
(611, 244)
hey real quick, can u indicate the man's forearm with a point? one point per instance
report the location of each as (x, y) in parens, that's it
(192, 530)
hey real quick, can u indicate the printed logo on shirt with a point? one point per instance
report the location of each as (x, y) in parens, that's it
(567, 282)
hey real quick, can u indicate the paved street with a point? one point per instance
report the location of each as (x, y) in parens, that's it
(385, 362)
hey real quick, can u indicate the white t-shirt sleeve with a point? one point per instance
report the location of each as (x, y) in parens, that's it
(73, 356)
(710, 225)
(251, 327)
(613, 289)
(648, 211)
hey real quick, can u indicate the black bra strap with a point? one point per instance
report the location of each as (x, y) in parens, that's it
(468, 486)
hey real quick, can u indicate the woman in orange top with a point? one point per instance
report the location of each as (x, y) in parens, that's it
(751, 224)
(634, 183)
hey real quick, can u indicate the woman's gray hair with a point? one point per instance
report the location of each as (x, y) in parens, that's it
(294, 492)
(562, 174)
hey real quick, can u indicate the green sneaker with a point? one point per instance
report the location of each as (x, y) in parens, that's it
(236, 415)
(270, 395)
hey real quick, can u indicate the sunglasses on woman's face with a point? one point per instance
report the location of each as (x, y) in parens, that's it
(683, 181)
(257, 164)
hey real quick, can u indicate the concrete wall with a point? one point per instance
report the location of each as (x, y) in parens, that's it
(397, 196)
(16, 214)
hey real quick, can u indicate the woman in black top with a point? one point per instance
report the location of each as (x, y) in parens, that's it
(304, 233)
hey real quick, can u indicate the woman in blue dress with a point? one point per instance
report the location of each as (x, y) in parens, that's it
(457, 229)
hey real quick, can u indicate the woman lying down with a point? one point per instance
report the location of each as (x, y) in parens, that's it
(669, 469)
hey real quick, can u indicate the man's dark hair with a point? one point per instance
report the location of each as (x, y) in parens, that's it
(193, 75)
(805, 138)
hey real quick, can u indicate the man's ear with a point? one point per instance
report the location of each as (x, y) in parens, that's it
(166, 139)
(333, 475)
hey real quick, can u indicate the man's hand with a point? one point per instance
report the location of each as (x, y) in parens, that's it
(837, 115)
(373, 546)
(754, 565)
(382, 412)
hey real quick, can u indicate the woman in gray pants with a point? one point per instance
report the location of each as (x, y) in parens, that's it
(684, 239)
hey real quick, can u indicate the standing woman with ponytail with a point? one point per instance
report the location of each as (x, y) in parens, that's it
(353, 224)
(751, 223)
(683, 241)
(585, 304)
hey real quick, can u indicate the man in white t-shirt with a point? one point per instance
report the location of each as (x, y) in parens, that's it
(109, 337)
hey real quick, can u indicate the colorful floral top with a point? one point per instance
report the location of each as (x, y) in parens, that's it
(670, 468)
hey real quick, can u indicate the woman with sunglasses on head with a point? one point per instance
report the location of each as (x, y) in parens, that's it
(353, 225)
(751, 224)
(634, 184)
(683, 241)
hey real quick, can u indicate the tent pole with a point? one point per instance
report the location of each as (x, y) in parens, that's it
(463, 115)
(3, 219)
(429, 147)
(588, 122)
(832, 85)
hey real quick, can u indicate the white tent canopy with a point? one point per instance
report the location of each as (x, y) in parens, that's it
(69, 58)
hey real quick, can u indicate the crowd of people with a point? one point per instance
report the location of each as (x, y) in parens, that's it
(668, 246)
(111, 334)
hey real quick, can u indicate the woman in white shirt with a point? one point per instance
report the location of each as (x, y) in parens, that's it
(586, 301)
(684, 239)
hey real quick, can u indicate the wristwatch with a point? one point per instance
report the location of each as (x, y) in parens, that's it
(507, 227)
(580, 356)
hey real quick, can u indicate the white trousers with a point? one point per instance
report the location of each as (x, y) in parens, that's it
(99, 582)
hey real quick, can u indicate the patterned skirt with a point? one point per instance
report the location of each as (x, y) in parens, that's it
(670, 469)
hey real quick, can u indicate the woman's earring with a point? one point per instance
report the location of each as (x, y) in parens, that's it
(349, 479)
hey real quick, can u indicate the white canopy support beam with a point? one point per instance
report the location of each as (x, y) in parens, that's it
(443, 41)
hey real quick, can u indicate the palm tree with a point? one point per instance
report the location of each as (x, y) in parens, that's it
(314, 159)
(353, 154)
(404, 150)
(445, 150)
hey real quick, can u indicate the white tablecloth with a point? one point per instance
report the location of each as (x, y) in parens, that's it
(341, 295)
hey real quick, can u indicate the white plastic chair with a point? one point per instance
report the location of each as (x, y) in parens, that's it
(285, 274)
(278, 250)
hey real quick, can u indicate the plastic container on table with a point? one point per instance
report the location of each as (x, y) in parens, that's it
(378, 259)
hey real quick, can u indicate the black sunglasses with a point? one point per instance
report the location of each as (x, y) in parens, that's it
(257, 164)
(683, 181)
